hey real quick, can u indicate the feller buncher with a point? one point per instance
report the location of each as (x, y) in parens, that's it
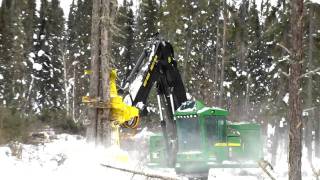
(194, 138)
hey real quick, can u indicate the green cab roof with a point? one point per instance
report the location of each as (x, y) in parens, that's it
(198, 108)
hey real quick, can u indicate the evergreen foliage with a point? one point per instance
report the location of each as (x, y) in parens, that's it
(123, 40)
(48, 71)
(78, 54)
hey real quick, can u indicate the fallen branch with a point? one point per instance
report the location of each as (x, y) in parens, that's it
(263, 165)
(141, 173)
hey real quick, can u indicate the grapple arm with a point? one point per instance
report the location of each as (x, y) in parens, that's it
(159, 67)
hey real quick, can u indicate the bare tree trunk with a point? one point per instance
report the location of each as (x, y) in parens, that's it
(308, 135)
(185, 61)
(65, 79)
(275, 142)
(295, 129)
(317, 133)
(268, 7)
(261, 7)
(216, 64)
(103, 13)
(224, 49)
(247, 98)
(309, 104)
(1, 121)
(74, 93)
(278, 133)
(95, 67)
(28, 100)
(108, 13)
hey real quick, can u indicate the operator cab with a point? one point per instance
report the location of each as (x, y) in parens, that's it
(207, 140)
(199, 127)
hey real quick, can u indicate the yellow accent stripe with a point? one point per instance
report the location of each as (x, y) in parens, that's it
(227, 144)
(169, 59)
(146, 80)
(87, 72)
(153, 63)
(86, 99)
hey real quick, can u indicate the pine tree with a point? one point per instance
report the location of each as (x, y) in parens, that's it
(15, 46)
(71, 46)
(258, 81)
(123, 40)
(146, 25)
(191, 29)
(3, 49)
(30, 24)
(78, 56)
(48, 65)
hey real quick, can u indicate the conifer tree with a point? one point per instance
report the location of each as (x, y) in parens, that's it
(15, 46)
(48, 68)
(190, 27)
(146, 26)
(78, 56)
(123, 40)
(30, 24)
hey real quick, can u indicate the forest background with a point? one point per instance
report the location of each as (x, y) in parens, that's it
(241, 65)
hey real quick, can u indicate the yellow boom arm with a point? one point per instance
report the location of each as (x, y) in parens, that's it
(120, 111)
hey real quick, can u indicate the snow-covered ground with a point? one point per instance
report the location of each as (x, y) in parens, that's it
(71, 157)
(281, 168)
(67, 157)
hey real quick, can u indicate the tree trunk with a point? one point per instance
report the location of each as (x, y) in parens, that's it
(224, 49)
(99, 129)
(95, 68)
(278, 132)
(74, 94)
(308, 135)
(295, 129)
(247, 99)
(107, 17)
(28, 105)
(275, 142)
(185, 61)
(317, 133)
(65, 80)
(216, 64)
(310, 120)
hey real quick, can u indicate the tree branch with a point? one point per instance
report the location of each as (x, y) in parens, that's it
(310, 72)
(285, 48)
(141, 173)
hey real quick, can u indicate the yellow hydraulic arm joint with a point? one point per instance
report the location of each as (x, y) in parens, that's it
(120, 111)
